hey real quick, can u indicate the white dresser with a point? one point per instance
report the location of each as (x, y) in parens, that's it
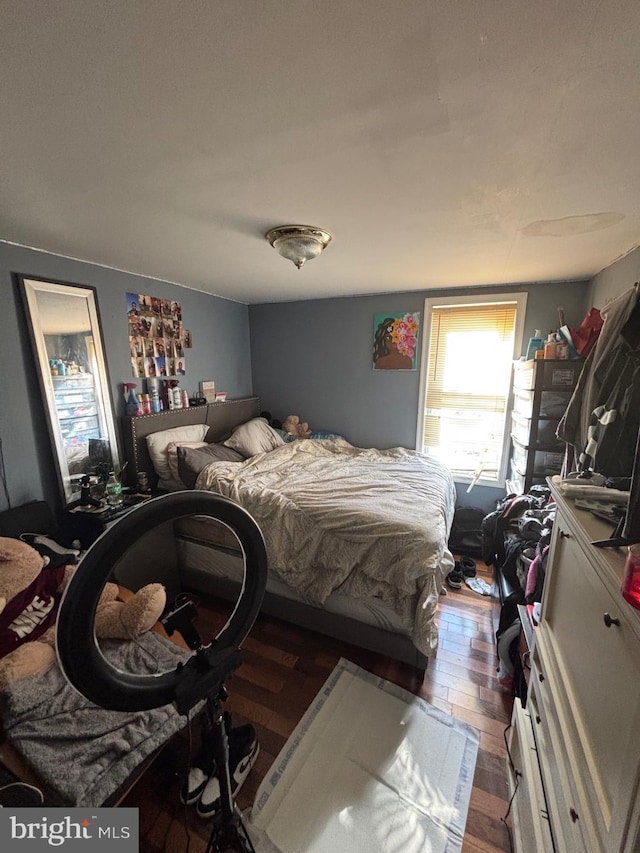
(575, 749)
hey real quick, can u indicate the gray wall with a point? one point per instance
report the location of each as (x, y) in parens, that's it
(221, 351)
(313, 359)
(615, 279)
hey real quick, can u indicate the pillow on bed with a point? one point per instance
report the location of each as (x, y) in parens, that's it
(158, 443)
(191, 460)
(254, 436)
(172, 456)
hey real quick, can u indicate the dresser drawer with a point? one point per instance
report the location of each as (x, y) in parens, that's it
(571, 822)
(530, 816)
(589, 651)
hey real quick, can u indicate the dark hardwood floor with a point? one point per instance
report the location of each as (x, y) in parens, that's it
(284, 667)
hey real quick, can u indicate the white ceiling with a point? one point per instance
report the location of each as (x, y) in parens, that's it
(442, 142)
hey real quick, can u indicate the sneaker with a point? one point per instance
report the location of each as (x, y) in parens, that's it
(243, 751)
(195, 783)
(203, 767)
(455, 579)
(467, 566)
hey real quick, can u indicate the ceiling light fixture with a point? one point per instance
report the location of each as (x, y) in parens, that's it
(298, 243)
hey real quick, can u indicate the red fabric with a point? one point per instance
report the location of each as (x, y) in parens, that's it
(27, 616)
(585, 336)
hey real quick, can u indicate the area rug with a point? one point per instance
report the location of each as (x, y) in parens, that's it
(370, 767)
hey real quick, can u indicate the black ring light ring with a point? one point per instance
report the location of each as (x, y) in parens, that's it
(79, 654)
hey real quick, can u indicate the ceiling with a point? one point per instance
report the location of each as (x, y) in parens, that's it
(441, 143)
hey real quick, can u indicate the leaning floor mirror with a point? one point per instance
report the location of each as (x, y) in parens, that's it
(67, 341)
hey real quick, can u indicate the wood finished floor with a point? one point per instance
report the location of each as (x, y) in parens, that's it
(283, 669)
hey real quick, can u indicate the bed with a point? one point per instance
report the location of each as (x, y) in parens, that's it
(356, 537)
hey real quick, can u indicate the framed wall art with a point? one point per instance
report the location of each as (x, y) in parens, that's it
(395, 341)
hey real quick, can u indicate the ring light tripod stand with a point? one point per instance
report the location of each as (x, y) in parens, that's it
(203, 674)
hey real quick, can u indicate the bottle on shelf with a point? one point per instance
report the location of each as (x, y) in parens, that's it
(535, 343)
(114, 491)
(631, 581)
(132, 403)
(154, 391)
(175, 395)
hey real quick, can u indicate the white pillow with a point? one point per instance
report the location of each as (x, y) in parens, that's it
(158, 443)
(172, 455)
(254, 436)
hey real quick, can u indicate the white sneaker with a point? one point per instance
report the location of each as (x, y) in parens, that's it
(243, 751)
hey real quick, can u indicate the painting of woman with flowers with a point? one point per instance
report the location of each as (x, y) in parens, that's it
(395, 341)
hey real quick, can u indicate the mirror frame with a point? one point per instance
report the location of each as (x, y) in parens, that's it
(32, 286)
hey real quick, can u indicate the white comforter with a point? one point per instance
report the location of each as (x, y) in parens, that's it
(367, 523)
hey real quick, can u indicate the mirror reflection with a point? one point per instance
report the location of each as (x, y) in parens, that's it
(68, 346)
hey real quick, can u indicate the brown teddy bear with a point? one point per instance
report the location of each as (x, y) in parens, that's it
(294, 427)
(30, 593)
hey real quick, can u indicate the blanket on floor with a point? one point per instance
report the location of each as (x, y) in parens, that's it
(82, 752)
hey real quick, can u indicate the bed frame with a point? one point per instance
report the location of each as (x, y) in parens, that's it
(222, 417)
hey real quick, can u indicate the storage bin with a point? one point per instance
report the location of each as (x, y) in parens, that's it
(558, 374)
(516, 481)
(561, 374)
(80, 426)
(545, 433)
(545, 462)
(553, 404)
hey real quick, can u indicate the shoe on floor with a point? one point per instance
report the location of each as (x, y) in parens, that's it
(455, 579)
(203, 767)
(243, 751)
(467, 566)
(194, 784)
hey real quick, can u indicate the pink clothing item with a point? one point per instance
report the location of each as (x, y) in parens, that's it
(532, 577)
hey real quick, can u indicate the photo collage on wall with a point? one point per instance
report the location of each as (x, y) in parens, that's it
(157, 337)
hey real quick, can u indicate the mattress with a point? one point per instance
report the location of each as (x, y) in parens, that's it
(368, 524)
(209, 570)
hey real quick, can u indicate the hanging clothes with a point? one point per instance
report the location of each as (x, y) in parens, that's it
(603, 415)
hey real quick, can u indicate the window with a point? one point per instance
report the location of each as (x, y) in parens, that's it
(465, 383)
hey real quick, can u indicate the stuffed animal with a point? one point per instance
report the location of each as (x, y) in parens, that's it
(30, 593)
(294, 427)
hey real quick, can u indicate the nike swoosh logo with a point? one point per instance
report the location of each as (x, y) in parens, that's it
(242, 766)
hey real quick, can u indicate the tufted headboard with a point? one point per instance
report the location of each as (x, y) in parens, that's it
(221, 417)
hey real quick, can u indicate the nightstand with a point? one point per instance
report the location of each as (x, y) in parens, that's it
(87, 524)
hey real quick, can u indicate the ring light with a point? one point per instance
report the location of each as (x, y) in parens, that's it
(79, 654)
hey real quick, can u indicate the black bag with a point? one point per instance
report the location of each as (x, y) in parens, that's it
(466, 531)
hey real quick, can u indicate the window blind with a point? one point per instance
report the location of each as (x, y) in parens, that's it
(467, 385)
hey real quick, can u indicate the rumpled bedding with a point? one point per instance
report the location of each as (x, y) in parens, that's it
(364, 522)
(82, 752)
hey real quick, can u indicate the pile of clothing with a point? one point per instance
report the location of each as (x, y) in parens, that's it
(516, 538)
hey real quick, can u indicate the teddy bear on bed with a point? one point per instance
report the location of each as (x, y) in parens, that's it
(293, 426)
(30, 594)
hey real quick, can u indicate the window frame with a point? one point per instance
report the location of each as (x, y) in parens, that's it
(431, 302)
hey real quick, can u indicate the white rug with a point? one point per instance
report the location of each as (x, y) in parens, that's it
(370, 767)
